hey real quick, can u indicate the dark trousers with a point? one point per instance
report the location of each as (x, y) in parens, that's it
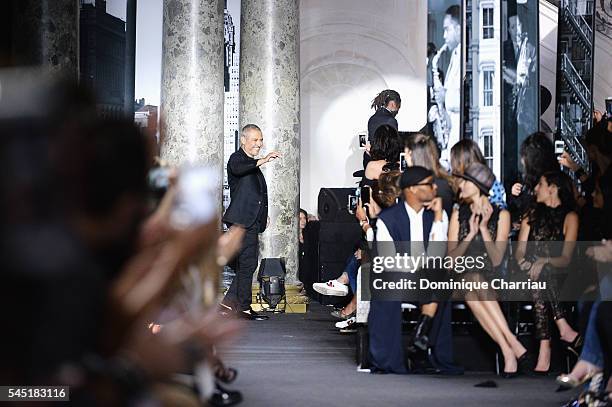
(239, 294)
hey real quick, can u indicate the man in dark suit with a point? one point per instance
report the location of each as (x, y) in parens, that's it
(249, 208)
(387, 104)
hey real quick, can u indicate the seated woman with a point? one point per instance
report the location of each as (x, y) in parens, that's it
(384, 154)
(552, 219)
(476, 220)
(466, 152)
(592, 229)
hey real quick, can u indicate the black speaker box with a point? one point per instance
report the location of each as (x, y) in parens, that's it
(333, 205)
(337, 241)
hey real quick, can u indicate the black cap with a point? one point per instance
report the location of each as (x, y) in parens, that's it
(413, 175)
(480, 175)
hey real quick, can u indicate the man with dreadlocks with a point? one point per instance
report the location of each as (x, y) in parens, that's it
(387, 103)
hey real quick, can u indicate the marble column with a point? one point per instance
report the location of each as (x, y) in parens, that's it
(192, 94)
(269, 97)
(46, 32)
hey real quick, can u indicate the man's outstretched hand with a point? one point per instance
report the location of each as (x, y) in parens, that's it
(269, 157)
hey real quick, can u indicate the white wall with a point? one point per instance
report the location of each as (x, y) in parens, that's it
(349, 51)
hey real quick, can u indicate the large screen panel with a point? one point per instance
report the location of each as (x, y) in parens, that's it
(520, 91)
(444, 74)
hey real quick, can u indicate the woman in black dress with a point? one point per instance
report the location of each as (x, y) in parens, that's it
(551, 219)
(477, 227)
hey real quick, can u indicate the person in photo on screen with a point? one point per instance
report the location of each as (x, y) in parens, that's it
(448, 96)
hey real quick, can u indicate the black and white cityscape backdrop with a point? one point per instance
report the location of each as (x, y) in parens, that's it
(231, 23)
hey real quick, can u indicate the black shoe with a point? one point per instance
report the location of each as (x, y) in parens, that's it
(526, 364)
(224, 397)
(509, 375)
(575, 346)
(253, 316)
(419, 339)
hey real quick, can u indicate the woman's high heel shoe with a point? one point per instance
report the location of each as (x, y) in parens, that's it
(569, 382)
(526, 363)
(575, 346)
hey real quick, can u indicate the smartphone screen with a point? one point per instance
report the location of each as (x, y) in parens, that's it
(362, 140)
(609, 106)
(403, 163)
(365, 195)
(353, 200)
(559, 147)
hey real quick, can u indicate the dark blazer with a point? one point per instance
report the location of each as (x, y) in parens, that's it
(381, 117)
(385, 317)
(248, 192)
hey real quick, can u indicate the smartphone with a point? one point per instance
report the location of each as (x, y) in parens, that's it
(365, 195)
(403, 163)
(363, 139)
(559, 147)
(194, 204)
(609, 106)
(353, 200)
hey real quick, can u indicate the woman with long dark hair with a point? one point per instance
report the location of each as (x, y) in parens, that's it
(537, 157)
(552, 219)
(384, 154)
(420, 149)
(476, 226)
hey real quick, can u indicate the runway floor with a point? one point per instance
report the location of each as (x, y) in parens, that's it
(302, 360)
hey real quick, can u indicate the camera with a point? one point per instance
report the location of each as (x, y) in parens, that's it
(363, 140)
(353, 201)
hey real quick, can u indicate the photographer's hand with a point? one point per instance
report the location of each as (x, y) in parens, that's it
(516, 189)
(566, 161)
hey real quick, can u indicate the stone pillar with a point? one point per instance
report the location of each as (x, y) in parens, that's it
(270, 97)
(46, 32)
(192, 93)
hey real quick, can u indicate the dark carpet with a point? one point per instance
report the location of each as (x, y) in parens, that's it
(302, 360)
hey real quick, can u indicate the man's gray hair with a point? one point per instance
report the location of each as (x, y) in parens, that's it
(249, 127)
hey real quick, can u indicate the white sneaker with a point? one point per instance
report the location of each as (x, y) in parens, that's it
(332, 287)
(346, 323)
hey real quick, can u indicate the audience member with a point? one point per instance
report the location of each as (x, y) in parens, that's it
(552, 219)
(386, 105)
(537, 157)
(465, 153)
(418, 218)
(477, 223)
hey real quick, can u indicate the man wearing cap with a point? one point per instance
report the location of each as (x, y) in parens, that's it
(419, 219)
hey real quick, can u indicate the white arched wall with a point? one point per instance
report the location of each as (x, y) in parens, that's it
(349, 51)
